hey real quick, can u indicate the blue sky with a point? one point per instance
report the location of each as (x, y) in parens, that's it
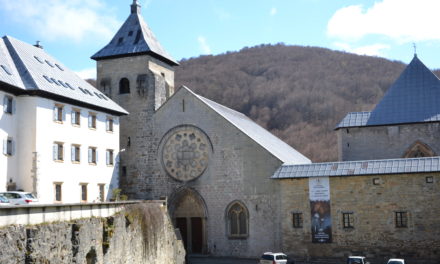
(73, 30)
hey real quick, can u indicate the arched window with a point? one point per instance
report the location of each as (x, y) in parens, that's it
(237, 220)
(124, 86)
(419, 149)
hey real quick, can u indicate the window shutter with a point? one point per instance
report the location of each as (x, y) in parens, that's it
(63, 113)
(12, 147)
(55, 151)
(107, 125)
(107, 157)
(5, 146)
(13, 106)
(73, 117)
(72, 152)
(90, 120)
(5, 103)
(90, 155)
(55, 113)
(96, 155)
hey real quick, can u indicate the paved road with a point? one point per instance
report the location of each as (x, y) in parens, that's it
(224, 260)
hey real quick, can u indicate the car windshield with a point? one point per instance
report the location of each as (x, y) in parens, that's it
(281, 257)
(11, 195)
(354, 261)
(29, 195)
(267, 257)
(395, 262)
(3, 199)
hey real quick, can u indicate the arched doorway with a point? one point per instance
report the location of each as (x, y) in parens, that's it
(188, 211)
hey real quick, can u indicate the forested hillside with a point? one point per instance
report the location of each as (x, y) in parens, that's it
(298, 93)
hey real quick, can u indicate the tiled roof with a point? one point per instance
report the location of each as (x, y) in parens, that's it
(413, 98)
(134, 37)
(32, 69)
(271, 143)
(353, 168)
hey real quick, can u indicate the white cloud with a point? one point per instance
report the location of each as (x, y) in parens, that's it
(401, 20)
(206, 49)
(370, 50)
(68, 19)
(87, 73)
(273, 11)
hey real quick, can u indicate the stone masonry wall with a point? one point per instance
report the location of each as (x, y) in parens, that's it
(385, 142)
(143, 233)
(373, 206)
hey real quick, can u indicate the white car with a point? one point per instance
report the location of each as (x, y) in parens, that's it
(357, 260)
(19, 198)
(396, 261)
(274, 258)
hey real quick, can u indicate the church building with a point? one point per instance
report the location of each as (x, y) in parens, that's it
(234, 189)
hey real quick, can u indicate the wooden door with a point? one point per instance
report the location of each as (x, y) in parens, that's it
(196, 234)
(181, 224)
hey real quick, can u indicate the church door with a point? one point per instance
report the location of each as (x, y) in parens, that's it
(189, 214)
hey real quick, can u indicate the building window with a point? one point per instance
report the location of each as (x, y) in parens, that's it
(7, 104)
(58, 113)
(101, 192)
(376, 181)
(8, 147)
(347, 220)
(58, 151)
(76, 117)
(92, 120)
(109, 124)
(75, 153)
(297, 220)
(429, 179)
(58, 192)
(124, 86)
(83, 192)
(106, 87)
(93, 155)
(238, 219)
(109, 157)
(401, 219)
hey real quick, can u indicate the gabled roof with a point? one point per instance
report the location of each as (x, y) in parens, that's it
(354, 168)
(261, 136)
(134, 38)
(33, 71)
(413, 98)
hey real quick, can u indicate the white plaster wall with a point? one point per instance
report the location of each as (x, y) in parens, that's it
(8, 128)
(67, 172)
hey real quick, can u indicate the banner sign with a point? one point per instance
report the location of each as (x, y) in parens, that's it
(319, 191)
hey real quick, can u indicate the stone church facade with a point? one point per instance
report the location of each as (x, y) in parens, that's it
(234, 189)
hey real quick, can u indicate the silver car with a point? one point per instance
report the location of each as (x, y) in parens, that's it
(19, 198)
(4, 201)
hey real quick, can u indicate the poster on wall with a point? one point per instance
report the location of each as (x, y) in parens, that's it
(319, 190)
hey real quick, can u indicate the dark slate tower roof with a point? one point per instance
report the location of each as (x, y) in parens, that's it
(134, 38)
(413, 98)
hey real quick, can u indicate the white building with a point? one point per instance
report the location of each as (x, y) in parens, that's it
(60, 135)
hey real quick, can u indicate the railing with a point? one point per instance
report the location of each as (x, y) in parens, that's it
(46, 213)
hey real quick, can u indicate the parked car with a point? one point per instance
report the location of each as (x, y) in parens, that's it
(4, 201)
(275, 258)
(396, 261)
(17, 198)
(357, 260)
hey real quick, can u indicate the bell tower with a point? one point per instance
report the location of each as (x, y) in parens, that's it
(136, 72)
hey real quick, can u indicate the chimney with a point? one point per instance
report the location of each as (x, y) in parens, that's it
(38, 45)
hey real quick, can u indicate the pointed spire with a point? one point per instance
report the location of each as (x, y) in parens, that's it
(135, 7)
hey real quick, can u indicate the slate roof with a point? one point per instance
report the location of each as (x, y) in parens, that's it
(32, 70)
(134, 38)
(413, 98)
(354, 168)
(271, 143)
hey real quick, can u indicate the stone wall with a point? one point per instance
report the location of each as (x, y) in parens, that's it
(385, 142)
(374, 233)
(142, 233)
